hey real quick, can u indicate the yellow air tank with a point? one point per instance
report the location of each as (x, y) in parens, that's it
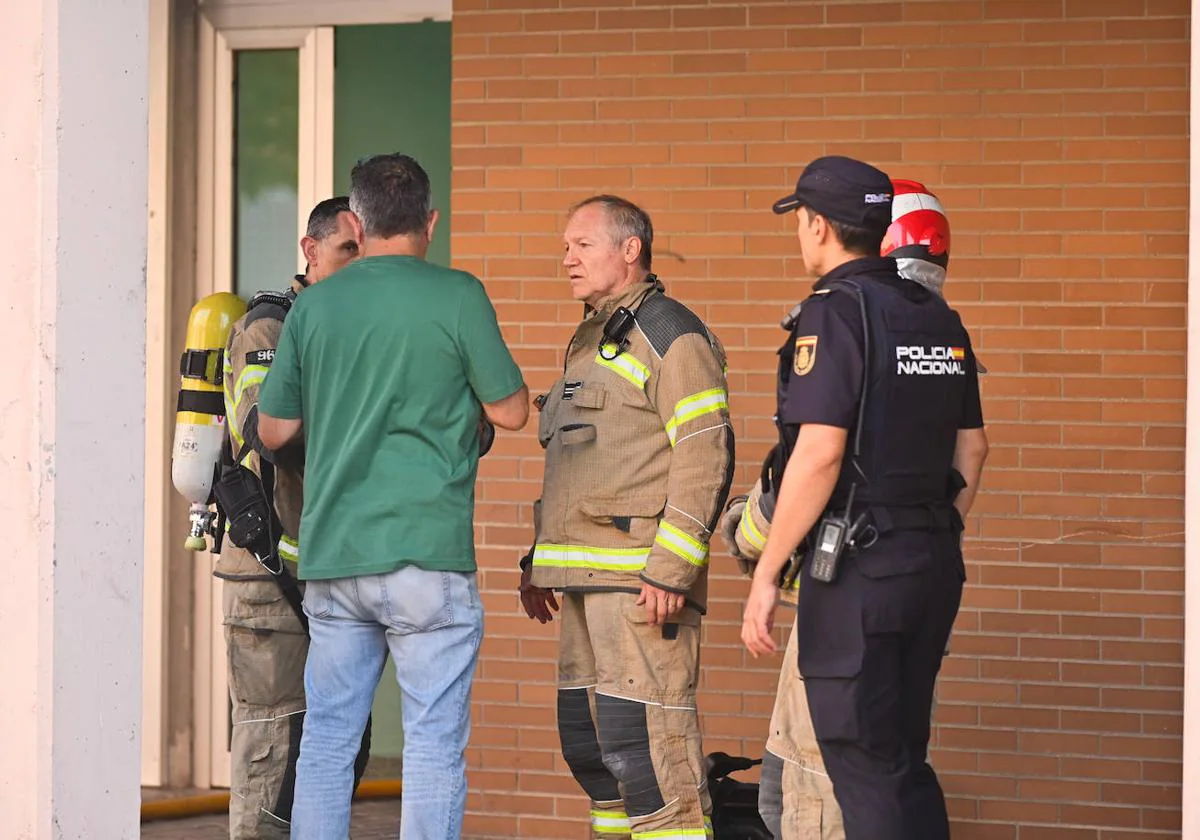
(200, 418)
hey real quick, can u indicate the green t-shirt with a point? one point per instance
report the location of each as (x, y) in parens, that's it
(387, 362)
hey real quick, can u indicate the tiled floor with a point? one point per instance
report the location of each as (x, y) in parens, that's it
(372, 820)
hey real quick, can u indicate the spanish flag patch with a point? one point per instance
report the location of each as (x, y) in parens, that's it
(805, 356)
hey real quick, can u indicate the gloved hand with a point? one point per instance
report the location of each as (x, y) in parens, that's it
(728, 525)
(728, 528)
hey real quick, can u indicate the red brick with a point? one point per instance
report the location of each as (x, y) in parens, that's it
(1068, 199)
(556, 21)
(774, 14)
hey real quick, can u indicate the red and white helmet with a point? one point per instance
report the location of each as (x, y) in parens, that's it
(919, 236)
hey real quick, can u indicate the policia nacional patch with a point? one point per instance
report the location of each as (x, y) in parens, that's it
(805, 356)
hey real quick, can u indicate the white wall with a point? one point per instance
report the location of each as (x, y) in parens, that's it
(72, 336)
(22, 428)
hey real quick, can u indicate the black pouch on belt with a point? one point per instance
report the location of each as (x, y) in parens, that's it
(240, 495)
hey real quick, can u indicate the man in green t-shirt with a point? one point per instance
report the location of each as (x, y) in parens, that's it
(387, 369)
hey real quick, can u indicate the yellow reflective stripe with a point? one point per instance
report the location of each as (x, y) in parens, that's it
(681, 544)
(590, 557)
(697, 405)
(231, 417)
(289, 549)
(749, 530)
(610, 822)
(673, 833)
(625, 366)
(251, 375)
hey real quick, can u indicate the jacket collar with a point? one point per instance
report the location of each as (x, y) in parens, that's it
(630, 297)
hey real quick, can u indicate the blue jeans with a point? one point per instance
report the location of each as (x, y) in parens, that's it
(432, 623)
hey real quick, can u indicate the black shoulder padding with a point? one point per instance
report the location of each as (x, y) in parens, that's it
(663, 320)
(265, 309)
(269, 304)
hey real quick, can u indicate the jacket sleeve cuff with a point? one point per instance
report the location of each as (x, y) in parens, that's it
(665, 568)
(527, 560)
(679, 590)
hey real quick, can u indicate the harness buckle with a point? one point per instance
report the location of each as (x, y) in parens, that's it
(263, 563)
(194, 364)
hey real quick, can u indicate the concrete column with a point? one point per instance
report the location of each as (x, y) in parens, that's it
(72, 370)
(1191, 597)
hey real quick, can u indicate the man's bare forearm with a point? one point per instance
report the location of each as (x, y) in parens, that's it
(970, 453)
(276, 432)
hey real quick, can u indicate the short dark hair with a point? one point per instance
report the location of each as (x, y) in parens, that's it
(863, 242)
(322, 221)
(390, 194)
(627, 220)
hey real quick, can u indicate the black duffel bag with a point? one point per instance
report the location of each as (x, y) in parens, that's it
(735, 803)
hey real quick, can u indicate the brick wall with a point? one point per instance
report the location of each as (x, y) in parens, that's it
(1056, 134)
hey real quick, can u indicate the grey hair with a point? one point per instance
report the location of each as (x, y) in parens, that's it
(391, 195)
(626, 221)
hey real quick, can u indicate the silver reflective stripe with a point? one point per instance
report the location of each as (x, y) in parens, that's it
(681, 545)
(289, 549)
(590, 557)
(610, 822)
(625, 366)
(750, 531)
(697, 405)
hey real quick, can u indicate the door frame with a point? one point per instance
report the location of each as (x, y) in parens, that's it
(187, 246)
(214, 273)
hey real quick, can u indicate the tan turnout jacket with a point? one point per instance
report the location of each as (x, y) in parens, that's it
(639, 453)
(248, 357)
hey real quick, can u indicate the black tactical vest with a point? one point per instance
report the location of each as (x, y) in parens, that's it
(916, 380)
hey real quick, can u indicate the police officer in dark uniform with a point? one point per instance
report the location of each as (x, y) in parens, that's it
(881, 450)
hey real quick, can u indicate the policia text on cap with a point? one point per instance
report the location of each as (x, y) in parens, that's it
(882, 462)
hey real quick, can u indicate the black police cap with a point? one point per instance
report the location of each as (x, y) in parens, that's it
(845, 190)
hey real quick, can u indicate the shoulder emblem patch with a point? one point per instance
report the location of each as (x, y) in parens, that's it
(805, 356)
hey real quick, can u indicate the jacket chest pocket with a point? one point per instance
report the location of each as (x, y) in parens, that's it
(547, 406)
(578, 415)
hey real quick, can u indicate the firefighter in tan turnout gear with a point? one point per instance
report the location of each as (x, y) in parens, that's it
(639, 459)
(265, 634)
